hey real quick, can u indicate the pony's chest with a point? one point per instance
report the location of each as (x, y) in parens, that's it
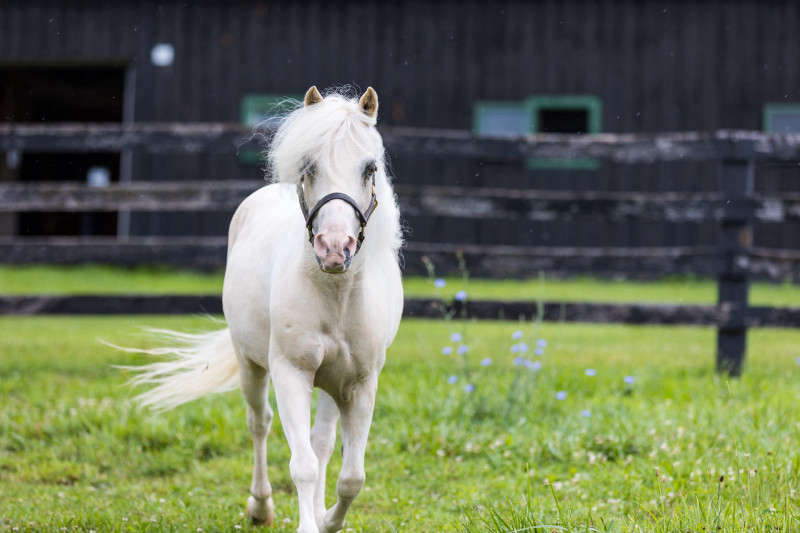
(346, 361)
(345, 353)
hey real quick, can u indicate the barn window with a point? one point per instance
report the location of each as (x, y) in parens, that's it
(501, 119)
(255, 108)
(782, 118)
(541, 114)
(564, 114)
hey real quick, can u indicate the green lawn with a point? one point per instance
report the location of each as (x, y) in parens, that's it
(583, 289)
(110, 280)
(615, 456)
(98, 279)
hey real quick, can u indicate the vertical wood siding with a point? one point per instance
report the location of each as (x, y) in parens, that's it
(657, 66)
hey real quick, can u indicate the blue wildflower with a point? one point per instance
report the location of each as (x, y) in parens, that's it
(462, 349)
(461, 296)
(486, 362)
(447, 350)
(561, 395)
(539, 351)
(519, 361)
(541, 343)
(591, 372)
(439, 283)
(522, 347)
(516, 335)
(452, 380)
(469, 387)
(586, 413)
(455, 337)
(533, 365)
(629, 380)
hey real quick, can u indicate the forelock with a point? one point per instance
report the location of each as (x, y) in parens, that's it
(323, 133)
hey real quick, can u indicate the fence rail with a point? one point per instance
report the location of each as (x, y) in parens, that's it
(622, 313)
(208, 253)
(462, 202)
(227, 138)
(734, 206)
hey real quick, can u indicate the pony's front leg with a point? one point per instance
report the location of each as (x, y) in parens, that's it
(293, 390)
(356, 420)
(323, 439)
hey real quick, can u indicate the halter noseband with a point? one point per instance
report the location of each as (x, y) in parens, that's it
(363, 216)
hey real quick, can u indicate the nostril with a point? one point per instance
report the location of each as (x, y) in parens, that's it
(350, 246)
(321, 246)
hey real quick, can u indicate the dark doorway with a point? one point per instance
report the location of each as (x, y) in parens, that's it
(81, 93)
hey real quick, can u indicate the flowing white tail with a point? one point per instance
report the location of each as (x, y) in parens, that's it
(200, 364)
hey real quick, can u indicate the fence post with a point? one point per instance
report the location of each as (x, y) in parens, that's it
(736, 180)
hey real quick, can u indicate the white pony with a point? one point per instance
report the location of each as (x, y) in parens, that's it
(312, 298)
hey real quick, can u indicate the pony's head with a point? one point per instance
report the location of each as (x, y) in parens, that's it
(331, 150)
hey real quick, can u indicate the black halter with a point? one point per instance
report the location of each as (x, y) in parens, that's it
(363, 216)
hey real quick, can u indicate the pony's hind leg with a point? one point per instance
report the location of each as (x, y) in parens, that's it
(323, 439)
(255, 386)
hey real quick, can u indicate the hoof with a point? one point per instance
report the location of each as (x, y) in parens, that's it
(331, 528)
(329, 525)
(261, 512)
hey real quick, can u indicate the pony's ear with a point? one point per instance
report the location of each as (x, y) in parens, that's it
(312, 96)
(369, 102)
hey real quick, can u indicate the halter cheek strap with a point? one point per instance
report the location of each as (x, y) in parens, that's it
(363, 216)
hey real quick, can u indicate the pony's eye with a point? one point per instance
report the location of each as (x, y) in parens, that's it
(370, 170)
(309, 171)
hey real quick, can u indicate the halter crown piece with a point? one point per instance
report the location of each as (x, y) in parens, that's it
(363, 216)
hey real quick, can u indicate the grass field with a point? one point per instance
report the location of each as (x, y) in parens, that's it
(573, 445)
(109, 280)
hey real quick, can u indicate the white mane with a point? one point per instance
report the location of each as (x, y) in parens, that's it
(323, 133)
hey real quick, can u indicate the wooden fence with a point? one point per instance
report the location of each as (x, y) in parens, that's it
(735, 206)
(516, 207)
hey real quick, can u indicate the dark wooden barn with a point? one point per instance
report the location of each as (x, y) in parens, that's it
(573, 66)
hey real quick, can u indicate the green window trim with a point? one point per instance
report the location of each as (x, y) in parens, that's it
(255, 108)
(530, 107)
(594, 111)
(592, 104)
(772, 109)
